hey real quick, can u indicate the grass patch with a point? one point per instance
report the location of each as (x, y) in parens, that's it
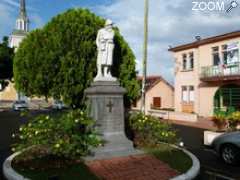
(175, 158)
(46, 169)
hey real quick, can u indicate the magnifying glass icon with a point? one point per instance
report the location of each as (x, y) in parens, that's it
(233, 5)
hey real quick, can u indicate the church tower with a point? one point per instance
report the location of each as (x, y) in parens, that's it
(22, 23)
(22, 26)
(18, 34)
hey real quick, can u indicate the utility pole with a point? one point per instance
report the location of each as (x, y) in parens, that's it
(145, 52)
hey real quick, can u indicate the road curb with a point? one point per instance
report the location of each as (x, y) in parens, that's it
(193, 171)
(9, 172)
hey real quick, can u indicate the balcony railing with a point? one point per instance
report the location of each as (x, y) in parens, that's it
(221, 71)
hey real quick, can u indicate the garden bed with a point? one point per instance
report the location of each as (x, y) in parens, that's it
(46, 167)
(50, 167)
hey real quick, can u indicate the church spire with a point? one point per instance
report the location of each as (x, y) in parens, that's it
(22, 23)
(23, 13)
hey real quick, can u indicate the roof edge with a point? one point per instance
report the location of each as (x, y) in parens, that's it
(205, 41)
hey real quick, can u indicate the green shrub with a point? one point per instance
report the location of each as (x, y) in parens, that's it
(150, 131)
(69, 135)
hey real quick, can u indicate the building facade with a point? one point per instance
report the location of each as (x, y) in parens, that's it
(207, 75)
(159, 94)
(18, 34)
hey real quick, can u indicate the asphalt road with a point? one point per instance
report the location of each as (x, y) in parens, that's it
(192, 137)
(211, 164)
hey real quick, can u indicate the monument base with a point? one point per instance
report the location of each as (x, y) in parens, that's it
(105, 99)
(116, 145)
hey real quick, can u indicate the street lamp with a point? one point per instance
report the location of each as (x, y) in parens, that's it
(145, 52)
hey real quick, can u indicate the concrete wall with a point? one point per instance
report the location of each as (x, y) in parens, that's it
(9, 93)
(171, 115)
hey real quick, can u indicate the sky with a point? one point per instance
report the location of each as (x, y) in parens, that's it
(171, 23)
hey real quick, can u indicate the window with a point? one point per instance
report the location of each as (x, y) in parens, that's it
(188, 94)
(184, 61)
(157, 103)
(232, 53)
(224, 53)
(191, 93)
(191, 58)
(216, 58)
(188, 61)
(184, 94)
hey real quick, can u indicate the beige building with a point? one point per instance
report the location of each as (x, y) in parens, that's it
(159, 94)
(207, 75)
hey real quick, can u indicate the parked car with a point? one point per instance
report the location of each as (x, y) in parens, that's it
(20, 105)
(227, 146)
(58, 105)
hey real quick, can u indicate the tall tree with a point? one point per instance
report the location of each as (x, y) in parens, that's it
(6, 62)
(60, 60)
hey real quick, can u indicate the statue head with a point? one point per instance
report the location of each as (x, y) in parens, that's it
(108, 23)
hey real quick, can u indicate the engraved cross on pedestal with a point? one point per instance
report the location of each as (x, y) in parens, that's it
(110, 105)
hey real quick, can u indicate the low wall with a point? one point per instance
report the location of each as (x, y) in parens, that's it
(172, 115)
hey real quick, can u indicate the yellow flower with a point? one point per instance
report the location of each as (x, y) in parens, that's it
(13, 135)
(57, 145)
(36, 132)
(13, 149)
(20, 129)
(76, 120)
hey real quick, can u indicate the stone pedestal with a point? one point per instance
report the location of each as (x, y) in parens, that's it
(105, 99)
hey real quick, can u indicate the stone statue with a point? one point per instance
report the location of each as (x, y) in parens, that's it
(105, 46)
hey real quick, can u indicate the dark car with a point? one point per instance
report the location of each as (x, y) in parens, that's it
(227, 146)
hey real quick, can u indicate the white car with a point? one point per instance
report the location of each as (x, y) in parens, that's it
(20, 105)
(58, 105)
(228, 147)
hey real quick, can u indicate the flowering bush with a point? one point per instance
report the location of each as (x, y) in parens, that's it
(228, 121)
(234, 120)
(69, 135)
(150, 131)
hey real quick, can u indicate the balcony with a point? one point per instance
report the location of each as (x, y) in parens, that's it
(221, 72)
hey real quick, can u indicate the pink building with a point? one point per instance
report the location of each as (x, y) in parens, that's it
(207, 75)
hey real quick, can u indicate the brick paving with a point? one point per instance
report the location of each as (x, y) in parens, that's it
(139, 167)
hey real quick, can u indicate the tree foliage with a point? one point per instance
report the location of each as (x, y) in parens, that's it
(6, 60)
(59, 60)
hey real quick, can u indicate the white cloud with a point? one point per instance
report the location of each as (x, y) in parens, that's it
(170, 23)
